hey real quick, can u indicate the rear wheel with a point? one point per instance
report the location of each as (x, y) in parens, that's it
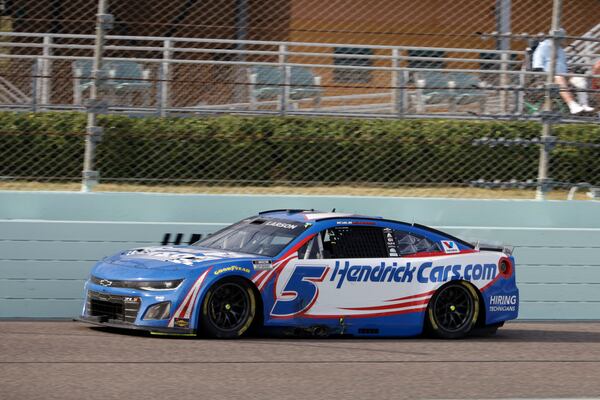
(228, 309)
(453, 310)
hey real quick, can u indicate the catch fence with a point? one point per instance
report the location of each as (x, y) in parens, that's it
(360, 70)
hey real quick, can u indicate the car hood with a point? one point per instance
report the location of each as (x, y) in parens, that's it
(174, 257)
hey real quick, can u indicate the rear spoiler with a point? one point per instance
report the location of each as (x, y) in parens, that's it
(508, 250)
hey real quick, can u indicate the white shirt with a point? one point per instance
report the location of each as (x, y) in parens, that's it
(541, 58)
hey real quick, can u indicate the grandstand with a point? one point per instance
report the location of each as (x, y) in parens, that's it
(210, 53)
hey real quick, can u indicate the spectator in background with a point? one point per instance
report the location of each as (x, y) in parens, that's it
(541, 62)
(596, 82)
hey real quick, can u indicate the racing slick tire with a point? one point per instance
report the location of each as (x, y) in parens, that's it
(228, 309)
(453, 310)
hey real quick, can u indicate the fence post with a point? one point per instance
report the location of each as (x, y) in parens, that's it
(483, 102)
(158, 97)
(504, 84)
(404, 79)
(504, 11)
(284, 95)
(242, 18)
(318, 97)
(77, 92)
(94, 106)
(35, 83)
(520, 94)
(165, 76)
(46, 87)
(547, 140)
(420, 106)
(397, 84)
(452, 97)
(252, 78)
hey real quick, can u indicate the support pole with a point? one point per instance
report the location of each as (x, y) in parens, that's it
(547, 140)
(45, 94)
(420, 98)
(242, 14)
(284, 95)
(165, 77)
(452, 97)
(94, 132)
(504, 16)
(397, 84)
(35, 83)
(253, 78)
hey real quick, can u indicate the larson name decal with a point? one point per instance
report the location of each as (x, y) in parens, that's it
(281, 225)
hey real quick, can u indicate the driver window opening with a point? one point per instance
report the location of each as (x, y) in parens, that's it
(365, 242)
(346, 242)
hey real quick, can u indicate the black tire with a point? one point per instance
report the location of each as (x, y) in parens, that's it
(453, 310)
(228, 310)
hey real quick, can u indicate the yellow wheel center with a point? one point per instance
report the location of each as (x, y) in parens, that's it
(228, 307)
(452, 308)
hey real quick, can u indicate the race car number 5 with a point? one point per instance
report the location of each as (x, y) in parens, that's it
(300, 292)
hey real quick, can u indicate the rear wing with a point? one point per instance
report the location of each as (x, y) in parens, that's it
(508, 250)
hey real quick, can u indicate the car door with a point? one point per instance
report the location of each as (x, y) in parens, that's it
(337, 273)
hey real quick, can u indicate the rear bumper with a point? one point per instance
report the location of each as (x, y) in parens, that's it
(111, 323)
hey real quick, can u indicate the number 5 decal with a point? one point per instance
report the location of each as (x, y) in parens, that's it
(300, 292)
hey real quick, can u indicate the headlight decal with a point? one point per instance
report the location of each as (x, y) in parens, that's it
(141, 285)
(158, 311)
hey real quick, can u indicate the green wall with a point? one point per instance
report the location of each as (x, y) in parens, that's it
(49, 240)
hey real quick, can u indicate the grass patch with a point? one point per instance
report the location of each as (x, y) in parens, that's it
(441, 192)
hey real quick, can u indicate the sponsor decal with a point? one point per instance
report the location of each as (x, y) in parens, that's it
(503, 303)
(182, 322)
(233, 268)
(281, 225)
(424, 273)
(181, 256)
(262, 265)
(450, 247)
(390, 242)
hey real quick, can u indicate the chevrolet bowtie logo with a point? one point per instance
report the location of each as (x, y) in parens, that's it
(105, 282)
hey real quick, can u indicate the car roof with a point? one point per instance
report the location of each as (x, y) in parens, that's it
(300, 215)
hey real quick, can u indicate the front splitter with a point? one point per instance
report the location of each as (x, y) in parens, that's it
(124, 325)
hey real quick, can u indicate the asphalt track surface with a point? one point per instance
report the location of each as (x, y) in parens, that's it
(71, 360)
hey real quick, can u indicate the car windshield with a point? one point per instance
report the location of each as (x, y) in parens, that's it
(260, 236)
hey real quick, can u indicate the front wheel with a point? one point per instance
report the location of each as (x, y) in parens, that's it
(453, 310)
(228, 310)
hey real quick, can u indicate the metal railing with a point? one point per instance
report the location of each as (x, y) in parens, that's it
(181, 76)
(393, 76)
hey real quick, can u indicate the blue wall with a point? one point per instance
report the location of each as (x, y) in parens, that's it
(49, 240)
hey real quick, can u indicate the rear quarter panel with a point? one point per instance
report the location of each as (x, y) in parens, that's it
(388, 291)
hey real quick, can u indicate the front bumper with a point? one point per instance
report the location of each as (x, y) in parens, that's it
(111, 323)
(125, 309)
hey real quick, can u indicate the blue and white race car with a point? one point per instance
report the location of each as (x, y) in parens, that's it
(303, 271)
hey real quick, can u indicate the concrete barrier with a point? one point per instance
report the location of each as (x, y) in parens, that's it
(50, 240)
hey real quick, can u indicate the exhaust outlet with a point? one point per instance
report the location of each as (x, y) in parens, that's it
(320, 331)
